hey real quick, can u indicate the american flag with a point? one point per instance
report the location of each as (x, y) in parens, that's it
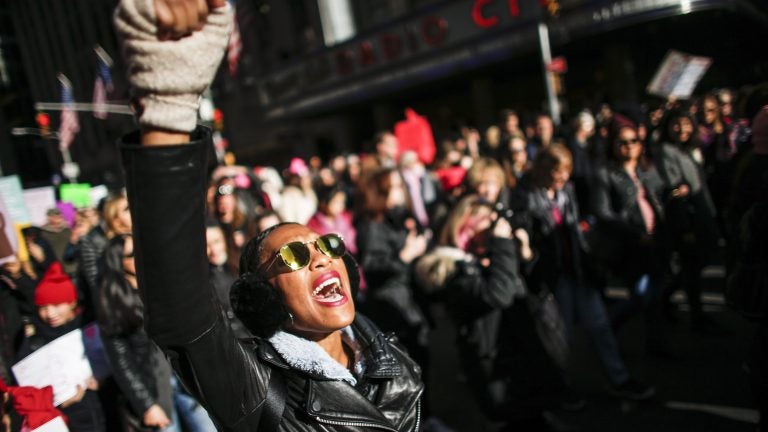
(68, 126)
(103, 85)
(235, 47)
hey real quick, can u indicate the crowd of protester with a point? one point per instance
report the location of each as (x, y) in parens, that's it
(516, 230)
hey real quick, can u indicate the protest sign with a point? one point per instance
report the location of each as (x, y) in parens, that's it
(678, 75)
(8, 240)
(38, 202)
(62, 364)
(79, 194)
(55, 425)
(13, 198)
(98, 193)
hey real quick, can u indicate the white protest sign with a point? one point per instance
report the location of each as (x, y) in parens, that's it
(98, 193)
(38, 201)
(13, 198)
(61, 363)
(678, 75)
(8, 242)
(55, 425)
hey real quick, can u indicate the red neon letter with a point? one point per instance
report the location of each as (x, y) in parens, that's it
(477, 14)
(366, 54)
(514, 7)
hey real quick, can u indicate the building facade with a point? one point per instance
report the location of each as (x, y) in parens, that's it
(462, 60)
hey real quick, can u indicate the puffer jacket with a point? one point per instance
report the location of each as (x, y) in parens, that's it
(166, 189)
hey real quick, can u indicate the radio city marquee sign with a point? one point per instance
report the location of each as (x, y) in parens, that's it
(452, 24)
(431, 44)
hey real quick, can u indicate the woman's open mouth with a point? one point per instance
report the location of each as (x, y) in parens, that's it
(328, 290)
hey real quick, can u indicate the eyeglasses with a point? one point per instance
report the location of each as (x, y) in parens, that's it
(296, 255)
(226, 189)
(628, 141)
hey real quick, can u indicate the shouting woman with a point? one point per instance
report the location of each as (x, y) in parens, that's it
(316, 364)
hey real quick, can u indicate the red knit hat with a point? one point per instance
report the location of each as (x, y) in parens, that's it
(55, 287)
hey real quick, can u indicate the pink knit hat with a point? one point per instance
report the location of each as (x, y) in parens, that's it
(298, 167)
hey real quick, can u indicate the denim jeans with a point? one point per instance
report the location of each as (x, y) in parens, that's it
(193, 416)
(644, 297)
(583, 302)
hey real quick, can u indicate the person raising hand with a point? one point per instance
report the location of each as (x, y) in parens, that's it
(315, 363)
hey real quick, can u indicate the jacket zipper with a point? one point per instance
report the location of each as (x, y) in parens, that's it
(418, 415)
(351, 423)
(363, 424)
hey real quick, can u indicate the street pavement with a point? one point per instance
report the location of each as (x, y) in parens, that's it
(702, 387)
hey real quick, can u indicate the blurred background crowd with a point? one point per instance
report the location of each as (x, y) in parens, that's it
(515, 230)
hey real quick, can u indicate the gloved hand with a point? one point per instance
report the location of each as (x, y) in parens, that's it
(168, 76)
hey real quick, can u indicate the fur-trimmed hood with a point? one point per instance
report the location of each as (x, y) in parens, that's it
(434, 269)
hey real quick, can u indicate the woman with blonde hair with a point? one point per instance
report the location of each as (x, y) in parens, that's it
(475, 273)
(117, 215)
(116, 221)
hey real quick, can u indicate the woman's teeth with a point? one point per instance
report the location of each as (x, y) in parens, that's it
(328, 289)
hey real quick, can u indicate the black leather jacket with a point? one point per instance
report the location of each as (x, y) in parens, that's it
(138, 370)
(615, 196)
(166, 189)
(559, 250)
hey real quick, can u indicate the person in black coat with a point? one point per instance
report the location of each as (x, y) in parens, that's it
(690, 211)
(474, 273)
(17, 291)
(389, 239)
(627, 198)
(558, 241)
(141, 373)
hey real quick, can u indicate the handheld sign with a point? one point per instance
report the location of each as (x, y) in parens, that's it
(678, 75)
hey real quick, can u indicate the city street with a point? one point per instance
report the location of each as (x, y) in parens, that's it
(702, 388)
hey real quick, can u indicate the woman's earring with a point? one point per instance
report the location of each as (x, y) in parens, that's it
(290, 317)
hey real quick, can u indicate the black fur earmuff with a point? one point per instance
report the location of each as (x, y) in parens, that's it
(258, 304)
(353, 270)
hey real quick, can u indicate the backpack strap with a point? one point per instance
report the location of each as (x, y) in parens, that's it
(274, 405)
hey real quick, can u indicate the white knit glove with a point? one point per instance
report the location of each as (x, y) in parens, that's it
(168, 76)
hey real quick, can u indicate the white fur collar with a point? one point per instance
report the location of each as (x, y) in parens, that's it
(307, 356)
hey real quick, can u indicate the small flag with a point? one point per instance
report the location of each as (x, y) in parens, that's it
(103, 84)
(68, 126)
(235, 47)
